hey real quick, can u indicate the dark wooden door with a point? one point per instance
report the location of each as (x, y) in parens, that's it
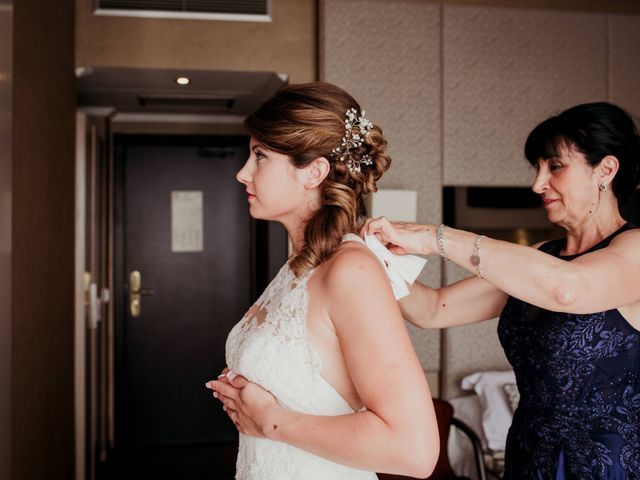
(182, 222)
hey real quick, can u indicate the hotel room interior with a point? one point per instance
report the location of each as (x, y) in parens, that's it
(120, 134)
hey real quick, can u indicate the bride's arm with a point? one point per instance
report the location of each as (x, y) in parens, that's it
(398, 431)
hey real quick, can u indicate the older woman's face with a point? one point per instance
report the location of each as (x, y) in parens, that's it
(568, 186)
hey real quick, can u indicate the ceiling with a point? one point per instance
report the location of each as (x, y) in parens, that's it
(156, 92)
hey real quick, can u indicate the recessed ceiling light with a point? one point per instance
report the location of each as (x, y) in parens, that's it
(182, 81)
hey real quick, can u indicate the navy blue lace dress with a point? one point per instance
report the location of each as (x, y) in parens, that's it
(579, 383)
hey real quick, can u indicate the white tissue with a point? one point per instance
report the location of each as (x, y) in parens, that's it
(402, 270)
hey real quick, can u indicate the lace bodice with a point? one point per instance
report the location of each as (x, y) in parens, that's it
(270, 347)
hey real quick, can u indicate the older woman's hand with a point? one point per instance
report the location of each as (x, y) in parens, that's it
(402, 238)
(248, 405)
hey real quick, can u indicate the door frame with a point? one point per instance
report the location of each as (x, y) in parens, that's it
(92, 287)
(80, 384)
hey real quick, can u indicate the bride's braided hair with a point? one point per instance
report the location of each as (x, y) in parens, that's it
(305, 122)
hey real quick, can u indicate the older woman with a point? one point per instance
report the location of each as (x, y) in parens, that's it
(569, 309)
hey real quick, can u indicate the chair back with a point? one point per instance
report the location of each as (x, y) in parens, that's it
(444, 414)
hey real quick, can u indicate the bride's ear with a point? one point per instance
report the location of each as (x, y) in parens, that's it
(316, 171)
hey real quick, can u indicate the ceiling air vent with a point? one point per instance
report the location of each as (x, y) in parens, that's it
(242, 10)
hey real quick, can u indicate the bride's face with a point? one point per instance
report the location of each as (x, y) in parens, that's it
(274, 185)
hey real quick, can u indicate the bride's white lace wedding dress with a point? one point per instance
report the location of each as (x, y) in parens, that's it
(269, 346)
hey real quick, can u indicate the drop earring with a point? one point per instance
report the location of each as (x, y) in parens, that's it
(603, 187)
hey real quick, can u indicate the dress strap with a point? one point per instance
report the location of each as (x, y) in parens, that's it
(352, 237)
(554, 247)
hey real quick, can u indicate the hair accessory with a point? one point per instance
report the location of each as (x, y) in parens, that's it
(475, 258)
(603, 187)
(356, 129)
(441, 242)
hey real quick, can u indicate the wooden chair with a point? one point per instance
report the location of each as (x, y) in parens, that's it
(443, 470)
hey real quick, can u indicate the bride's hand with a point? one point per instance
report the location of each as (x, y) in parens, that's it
(248, 405)
(402, 238)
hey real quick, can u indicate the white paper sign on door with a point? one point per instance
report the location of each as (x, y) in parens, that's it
(186, 221)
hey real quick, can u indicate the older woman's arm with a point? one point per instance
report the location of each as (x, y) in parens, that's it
(597, 281)
(604, 279)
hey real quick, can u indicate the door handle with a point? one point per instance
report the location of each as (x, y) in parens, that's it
(135, 293)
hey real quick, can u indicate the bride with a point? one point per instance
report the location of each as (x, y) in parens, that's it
(323, 382)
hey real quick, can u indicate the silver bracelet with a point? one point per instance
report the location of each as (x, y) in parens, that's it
(441, 243)
(475, 258)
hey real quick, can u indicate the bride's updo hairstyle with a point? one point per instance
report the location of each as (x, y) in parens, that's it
(305, 122)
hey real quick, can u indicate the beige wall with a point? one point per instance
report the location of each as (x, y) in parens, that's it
(391, 64)
(607, 6)
(505, 70)
(457, 86)
(6, 58)
(285, 45)
(624, 61)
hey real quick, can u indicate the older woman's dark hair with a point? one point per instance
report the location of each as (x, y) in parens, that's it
(596, 130)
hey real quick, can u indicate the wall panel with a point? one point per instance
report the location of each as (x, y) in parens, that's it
(607, 6)
(387, 54)
(624, 62)
(504, 71)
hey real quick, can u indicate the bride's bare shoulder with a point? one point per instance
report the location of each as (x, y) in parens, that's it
(352, 268)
